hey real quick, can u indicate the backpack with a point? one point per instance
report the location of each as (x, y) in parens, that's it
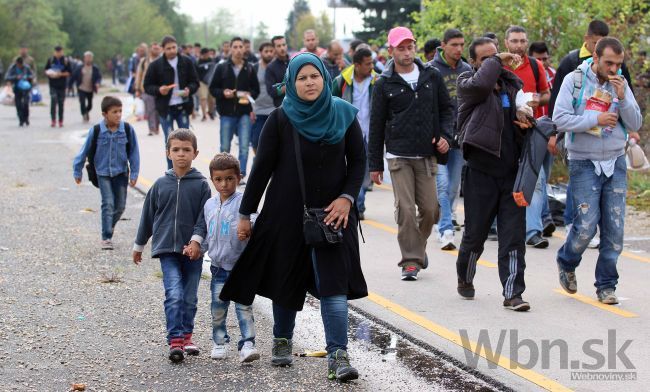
(90, 166)
(535, 69)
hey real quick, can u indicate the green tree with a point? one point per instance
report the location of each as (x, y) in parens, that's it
(322, 25)
(379, 16)
(213, 30)
(261, 33)
(29, 22)
(177, 21)
(300, 7)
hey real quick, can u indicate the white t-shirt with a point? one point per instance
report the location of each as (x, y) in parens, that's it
(175, 100)
(361, 100)
(411, 78)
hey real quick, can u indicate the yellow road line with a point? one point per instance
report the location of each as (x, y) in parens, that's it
(625, 254)
(593, 302)
(393, 230)
(453, 337)
(145, 181)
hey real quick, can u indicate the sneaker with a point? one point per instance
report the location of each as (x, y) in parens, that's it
(492, 235)
(538, 242)
(281, 352)
(242, 182)
(219, 351)
(568, 280)
(517, 304)
(189, 346)
(410, 272)
(466, 290)
(339, 368)
(607, 296)
(176, 353)
(107, 245)
(60, 124)
(53, 124)
(456, 225)
(426, 261)
(548, 229)
(594, 243)
(447, 240)
(362, 216)
(248, 353)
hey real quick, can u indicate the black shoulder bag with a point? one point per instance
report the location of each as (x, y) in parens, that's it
(316, 232)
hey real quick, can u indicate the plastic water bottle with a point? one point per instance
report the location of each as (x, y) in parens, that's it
(613, 108)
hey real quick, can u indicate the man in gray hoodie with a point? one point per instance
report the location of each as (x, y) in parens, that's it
(449, 61)
(596, 136)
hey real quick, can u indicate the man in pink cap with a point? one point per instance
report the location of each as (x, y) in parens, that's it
(412, 115)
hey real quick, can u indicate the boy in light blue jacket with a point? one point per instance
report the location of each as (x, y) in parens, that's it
(596, 138)
(224, 246)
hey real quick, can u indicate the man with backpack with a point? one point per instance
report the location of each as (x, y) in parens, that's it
(233, 85)
(531, 71)
(597, 109)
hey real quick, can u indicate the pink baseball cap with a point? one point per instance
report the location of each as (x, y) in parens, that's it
(397, 35)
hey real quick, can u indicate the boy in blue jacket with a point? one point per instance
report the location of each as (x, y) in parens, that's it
(173, 215)
(113, 148)
(224, 247)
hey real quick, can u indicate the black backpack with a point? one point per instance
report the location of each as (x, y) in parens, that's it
(90, 166)
(535, 69)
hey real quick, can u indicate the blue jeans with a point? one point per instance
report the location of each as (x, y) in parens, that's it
(181, 278)
(174, 113)
(113, 191)
(600, 201)
(570, 208)
(448, 184)
(256, 130)
(537, 212)
(219, 310)
(334, 312)
(242, 126)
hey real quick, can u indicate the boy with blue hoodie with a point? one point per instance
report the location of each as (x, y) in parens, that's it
(597, 109)
(224, 246)
(111, 148)
(173, 215)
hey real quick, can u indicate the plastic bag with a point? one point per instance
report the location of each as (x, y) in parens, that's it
(7, 96)
(139, 108)
(128, 108)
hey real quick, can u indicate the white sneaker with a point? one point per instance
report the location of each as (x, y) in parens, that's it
(219, 351)
(447, 240)
(594, 243)
(107, 245)
(248, 353)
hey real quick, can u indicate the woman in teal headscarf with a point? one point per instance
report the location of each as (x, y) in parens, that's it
(277, 263)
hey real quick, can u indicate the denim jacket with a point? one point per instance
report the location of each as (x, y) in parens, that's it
(111, 158)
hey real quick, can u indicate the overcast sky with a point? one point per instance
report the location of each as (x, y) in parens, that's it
(272, 12)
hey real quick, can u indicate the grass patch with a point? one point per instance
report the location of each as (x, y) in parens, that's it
(638, 185)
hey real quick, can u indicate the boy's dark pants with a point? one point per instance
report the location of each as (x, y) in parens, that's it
(113, 191)
(57, 97)
(487, 197)
(22, 105)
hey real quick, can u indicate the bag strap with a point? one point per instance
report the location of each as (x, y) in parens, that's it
(93, 144)
(129, 138)
(535, 67)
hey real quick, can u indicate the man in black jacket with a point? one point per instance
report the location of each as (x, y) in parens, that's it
(172, 79)
(233, 85)
(412, 115)
(491, 140)
(275, 71)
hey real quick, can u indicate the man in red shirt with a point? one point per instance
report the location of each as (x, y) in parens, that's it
(532, 72)
(540, 51)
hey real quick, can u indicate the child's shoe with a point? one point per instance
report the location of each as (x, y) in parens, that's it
(176, 353)
(107, 245)
(219, 351)
(248, 353)
(189, 346)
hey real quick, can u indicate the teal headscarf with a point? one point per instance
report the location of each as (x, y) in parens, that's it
(324, 120)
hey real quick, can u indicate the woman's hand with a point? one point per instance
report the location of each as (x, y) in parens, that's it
(338, 210)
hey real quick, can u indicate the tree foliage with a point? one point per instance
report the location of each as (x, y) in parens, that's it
(379, 16)
(321, 24)
(300, 8)
(213, 30)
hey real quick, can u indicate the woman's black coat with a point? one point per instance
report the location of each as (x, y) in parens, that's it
(277, 263)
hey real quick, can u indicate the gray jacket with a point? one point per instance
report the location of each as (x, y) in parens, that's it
(173, 213)
(221, 243)
(580, 144)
